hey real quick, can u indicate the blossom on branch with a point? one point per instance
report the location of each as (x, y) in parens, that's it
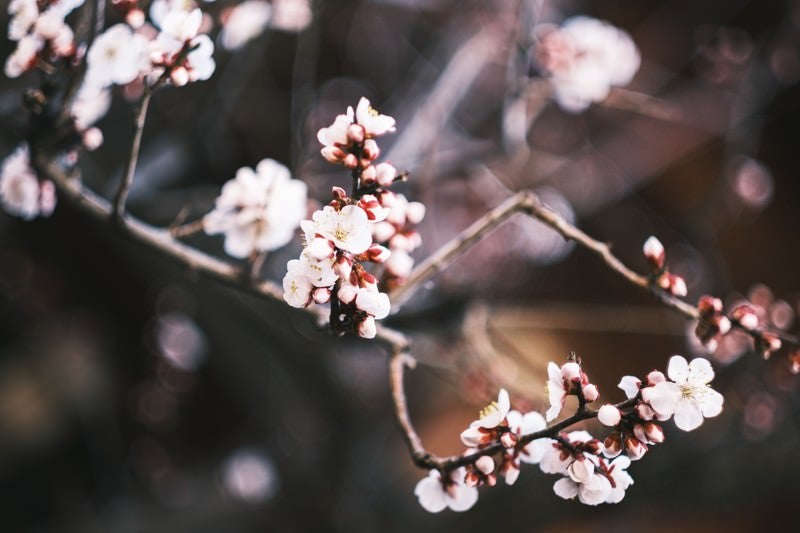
(688, 396)
(436, 493)
(21, 192)
(258, 210)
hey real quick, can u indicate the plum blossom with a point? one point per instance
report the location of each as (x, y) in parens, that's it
(519, 425)
(374, 123)
(436, 493)
(480, 431)
(24, 56)
(258, 210)
(21, 193)
(347, 229)
(117, 56)
(244, 23)
(688, 396)
(290, 15)
(23, 16)
(585, 58)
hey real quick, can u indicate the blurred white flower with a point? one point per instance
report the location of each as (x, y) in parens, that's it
(23, 15)
(21, 194)
(117, 56)
(244, 22)
(24, 56)
(258, 210)
(250, 476)
(436, 494)
(290, 15)
(585, 57)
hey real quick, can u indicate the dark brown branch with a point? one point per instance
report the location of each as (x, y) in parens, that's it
(118, 207)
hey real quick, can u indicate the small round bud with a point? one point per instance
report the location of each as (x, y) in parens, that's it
(608, 415)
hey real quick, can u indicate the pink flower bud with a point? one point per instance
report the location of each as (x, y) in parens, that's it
(371, 150)
(47, 198)
(678, 286)
(634, 448)
(508, 440)
(179, 76)
(367, 328)
(333, 154)
(644, 411)
(350, 161)
(608, 415)
(708, 305)
(378, 254)
(347, 293)
(485, 464)
(590, 392)
(321, 295)
(612, 446)
(356, 133)
(768, 343)
(135, 18)
(654, 253)
(343, 266)
(746, 316)
(654, 432)
(723, 325)
(383, 231)
(368, 176)
(338, 193)
(571, 371)
(92, 139)
(385, 174)
(415, 212)
(368, 281)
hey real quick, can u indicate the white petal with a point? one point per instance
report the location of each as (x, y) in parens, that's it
(595, 492)
(663, 398)
(565, 488)
(630, 385)
(462, 498)
(430, 493)
(710, 402)
(688, 415)
(700, 371)
(678, 369)
(532, 422)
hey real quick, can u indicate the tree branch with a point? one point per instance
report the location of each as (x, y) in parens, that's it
(118, 208)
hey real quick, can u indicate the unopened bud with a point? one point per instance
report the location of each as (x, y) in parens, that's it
(371, 150)
(590, 392)
(356, 133)
(321, 295)
(612, 446)
(367, 328)
(179, 76)
(350, 161)
(654, 432)
(333, 154)
(135, 18)
(368, 176)
(571, 371)
(634, 448)
(654, 253)
(709, 305)
(92, 139)
(746, 316)
(608, 415)
(485, 464)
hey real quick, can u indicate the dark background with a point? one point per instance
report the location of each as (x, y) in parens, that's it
(100, 431)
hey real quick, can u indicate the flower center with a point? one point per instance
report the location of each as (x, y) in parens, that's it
(489, 409)
(340, 233)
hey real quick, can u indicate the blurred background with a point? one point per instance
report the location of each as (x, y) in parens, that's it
(135, 397)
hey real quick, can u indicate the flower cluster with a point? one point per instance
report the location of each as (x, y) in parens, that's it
(41, 34)
(584, 58)
(672, 283)
(21, 192)
(371, 225)
(591, 470)
(258, 210)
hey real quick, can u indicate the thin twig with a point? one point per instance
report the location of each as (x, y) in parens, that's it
(184, 230)
(118, 209)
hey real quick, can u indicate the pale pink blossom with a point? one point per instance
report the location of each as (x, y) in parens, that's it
(21, 193)
(374, 123)
(24, 56)
(258, 210)
(630, 385)
(348, 229)
(436, 493)
(609, 415)
(290, 15)
(688, 396)
(23, 16)
(117, 56)
(297, 286)
(244, 22)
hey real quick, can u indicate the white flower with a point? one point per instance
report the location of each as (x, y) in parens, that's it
(182, 25)
(290, 15)
(622, 480)
(23, 15)
(160, 9)
(435, 494)
(336, 134)
(491, 416)
(24, 57)
(594, 492)
(688, 396)
(90, 105)
(258, 210)
(373, 303)
(374, 123)
(245, 22)
(198, 64)
(585, 57)
(556, 391)
(117, 56)
(20, 192)
(348, 229)
(296, 285)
